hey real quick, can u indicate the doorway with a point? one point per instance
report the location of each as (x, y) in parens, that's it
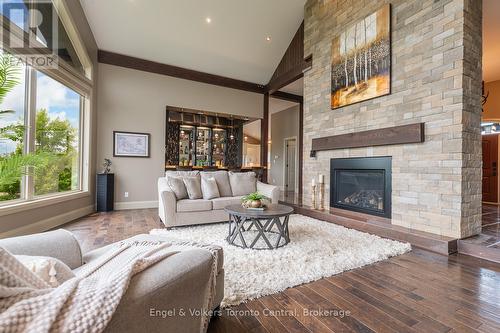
(290, 165)
(490, 168)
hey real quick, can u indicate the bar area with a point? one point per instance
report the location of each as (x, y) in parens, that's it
(196, 139)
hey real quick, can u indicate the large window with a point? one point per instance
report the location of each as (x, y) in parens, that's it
(57, 134)
(47, 140)
(12, 110)
(43, 109)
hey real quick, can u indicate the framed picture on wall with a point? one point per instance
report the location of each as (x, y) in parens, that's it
(130, 144)
(361, 60)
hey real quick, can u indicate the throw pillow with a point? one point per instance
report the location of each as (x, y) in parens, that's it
(222, 181)
(209, 188)
(51, 270)
(193, 187)
(177, 186)
(242, 183)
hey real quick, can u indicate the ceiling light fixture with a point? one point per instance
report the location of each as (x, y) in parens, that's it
(208, 20)
(268, 38)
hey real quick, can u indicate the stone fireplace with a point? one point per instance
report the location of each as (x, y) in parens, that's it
(435, 56)
(361, 185)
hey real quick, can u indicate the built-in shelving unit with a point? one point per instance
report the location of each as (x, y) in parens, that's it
(197, 138)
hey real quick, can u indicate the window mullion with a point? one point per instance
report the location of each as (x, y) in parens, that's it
(30, 133)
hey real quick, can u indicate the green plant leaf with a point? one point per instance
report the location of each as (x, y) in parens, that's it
(13, 167)
(10, 73)
(254, 196)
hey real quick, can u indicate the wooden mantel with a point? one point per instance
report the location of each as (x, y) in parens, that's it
(413, 133)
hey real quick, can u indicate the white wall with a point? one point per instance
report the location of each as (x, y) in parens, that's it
(131, 100)
(284, 124)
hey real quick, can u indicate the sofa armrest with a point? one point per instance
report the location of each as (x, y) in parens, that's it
(167, 203)
(270, 191)
(60, 244)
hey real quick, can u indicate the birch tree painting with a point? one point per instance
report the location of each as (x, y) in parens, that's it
(361, 60)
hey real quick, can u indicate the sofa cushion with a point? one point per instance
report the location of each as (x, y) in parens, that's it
(209, 188)
(196, 205)
(193, 187)
(221, 203)
(242, 183)
(182, 174)
(177, 186)
(222, 179)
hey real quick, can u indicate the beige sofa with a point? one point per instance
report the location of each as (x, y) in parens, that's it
(183, 212)
(172, 283)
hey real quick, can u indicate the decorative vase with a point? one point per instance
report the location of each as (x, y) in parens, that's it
(255, 203)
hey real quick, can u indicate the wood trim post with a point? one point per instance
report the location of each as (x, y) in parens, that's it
(264, 131)
(301, 148)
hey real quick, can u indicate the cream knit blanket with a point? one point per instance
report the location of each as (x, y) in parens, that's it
(87, 302)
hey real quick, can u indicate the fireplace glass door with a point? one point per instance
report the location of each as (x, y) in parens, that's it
(361, 189)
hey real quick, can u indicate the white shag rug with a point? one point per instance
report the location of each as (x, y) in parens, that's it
(317, 249)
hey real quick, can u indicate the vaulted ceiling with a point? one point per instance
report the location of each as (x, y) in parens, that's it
(234, 43)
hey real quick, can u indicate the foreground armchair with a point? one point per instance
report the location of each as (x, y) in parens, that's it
(154, 297)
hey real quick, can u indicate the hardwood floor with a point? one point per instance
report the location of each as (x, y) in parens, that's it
(415, 292)
(487, 244)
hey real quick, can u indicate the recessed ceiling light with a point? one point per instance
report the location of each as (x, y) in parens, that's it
(268, 38)
(208, 20)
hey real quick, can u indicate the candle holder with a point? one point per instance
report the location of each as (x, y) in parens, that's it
(313, 194)
(321, 196)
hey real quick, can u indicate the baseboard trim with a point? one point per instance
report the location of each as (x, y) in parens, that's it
(49, 223)
(135, 205)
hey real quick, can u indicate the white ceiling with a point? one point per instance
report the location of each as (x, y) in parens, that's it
(175, 32)
(277, 105)
(491, 40)
(296, 87)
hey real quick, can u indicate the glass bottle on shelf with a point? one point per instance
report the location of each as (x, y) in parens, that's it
(186, 145)
(203, 146)
(218, 147)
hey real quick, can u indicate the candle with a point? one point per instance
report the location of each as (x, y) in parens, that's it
(313, 182)
(321, 179)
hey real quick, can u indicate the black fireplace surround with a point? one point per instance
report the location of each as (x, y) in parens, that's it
(362, 184)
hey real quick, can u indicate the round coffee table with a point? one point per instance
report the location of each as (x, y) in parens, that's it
(259, 229)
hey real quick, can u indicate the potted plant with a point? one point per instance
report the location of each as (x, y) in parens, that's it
(254, 200)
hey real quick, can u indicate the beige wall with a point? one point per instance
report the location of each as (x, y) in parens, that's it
(48, 216)
(436, 79)
(492, 107)
(131, 100)
(284, 124)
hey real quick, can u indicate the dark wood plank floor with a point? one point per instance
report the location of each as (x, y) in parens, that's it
(416, 292)
(487, 243)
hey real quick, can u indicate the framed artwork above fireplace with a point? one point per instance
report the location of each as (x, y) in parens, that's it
(361, 60)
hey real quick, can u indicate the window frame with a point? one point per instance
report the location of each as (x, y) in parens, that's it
(82, 84)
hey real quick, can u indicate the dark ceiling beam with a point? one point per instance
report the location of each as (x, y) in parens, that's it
(287, 96)
(116, 59)
(293, 64)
